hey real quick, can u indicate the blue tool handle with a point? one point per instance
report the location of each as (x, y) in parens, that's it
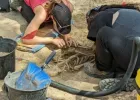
(50, 57)
(19, 36)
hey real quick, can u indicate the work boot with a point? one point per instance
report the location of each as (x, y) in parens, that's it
(16, 4)
(107, 84)
(91, 70)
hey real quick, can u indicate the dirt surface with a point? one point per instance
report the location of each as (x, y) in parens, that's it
(12, 23)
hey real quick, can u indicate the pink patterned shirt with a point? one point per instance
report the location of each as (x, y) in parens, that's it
(34, 3)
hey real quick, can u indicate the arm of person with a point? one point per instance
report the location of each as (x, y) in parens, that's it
(40, 16)
(68, 4)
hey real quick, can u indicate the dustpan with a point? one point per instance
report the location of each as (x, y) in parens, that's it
(34, 77)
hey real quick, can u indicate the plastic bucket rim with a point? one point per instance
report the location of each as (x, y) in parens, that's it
(12, 50)
(25, 90)
(22, 90)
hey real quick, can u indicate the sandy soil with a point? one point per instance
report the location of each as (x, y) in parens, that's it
(12, 23)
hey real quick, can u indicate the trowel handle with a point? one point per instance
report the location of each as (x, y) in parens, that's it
(49, 58)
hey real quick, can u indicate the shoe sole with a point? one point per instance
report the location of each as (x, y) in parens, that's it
(107, 84)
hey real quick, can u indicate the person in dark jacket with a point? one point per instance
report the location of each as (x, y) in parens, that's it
(113, 29)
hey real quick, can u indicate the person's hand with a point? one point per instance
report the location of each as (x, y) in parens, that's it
(58, 42)
(70, 41)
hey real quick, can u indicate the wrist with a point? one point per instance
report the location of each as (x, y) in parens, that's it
(67, 35)
(49, 40)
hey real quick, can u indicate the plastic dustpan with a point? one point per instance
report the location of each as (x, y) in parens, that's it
(34, 77)
(41, 80)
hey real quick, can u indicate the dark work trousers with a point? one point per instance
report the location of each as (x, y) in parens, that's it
(114, 45)
(28, 14)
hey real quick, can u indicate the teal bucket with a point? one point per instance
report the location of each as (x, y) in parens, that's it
(16, 94)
